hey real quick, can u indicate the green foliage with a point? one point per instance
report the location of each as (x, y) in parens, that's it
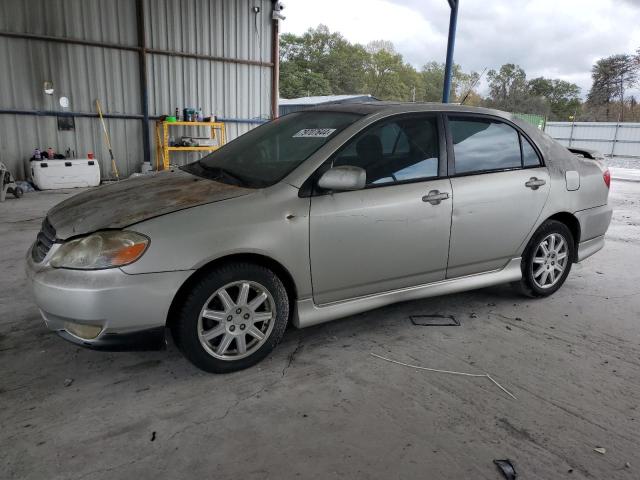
(612, 76)
(323, 63)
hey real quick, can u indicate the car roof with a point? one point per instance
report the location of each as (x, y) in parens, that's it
(369, 108)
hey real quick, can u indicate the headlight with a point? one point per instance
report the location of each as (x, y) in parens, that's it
(101, 250)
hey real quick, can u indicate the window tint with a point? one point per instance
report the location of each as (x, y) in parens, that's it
(395, 151)
(482, 144)
(529, 156)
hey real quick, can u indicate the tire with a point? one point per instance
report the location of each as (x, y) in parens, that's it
(213, 329)
(554, 264)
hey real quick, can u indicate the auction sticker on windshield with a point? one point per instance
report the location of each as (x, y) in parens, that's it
(315, 132)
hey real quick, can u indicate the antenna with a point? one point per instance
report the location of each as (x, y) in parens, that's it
(473, 86)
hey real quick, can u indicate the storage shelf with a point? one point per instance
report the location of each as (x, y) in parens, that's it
(191, 149)
(196, 124)
(217, 131)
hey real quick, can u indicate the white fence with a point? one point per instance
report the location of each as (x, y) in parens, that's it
(610, 138)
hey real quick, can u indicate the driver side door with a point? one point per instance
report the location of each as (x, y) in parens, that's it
(389, 235)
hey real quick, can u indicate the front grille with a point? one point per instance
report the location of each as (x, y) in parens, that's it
(46, 238)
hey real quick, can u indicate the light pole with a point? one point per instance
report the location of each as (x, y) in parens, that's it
(448, 69)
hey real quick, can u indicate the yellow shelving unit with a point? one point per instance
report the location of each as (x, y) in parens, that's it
(163, 150)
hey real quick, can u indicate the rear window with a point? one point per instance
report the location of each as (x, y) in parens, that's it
(483, 145)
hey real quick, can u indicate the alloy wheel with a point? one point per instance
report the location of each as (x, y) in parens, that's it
(550, 260)
(236, 320)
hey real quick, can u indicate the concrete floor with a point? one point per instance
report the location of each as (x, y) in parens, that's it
(321, 406)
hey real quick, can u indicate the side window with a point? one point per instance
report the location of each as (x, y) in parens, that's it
(529, 156)
(399, 150)
(483, 144)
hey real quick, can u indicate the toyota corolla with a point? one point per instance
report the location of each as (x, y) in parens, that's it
(315, 216)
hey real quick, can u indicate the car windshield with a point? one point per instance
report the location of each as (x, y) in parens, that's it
(265, 155)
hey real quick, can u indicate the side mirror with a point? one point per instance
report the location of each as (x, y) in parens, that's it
(343, 178)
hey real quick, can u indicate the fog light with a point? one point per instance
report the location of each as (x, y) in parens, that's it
(86, 332)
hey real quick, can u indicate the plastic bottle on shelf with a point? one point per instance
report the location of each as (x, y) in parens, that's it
(200, 117)
(50, 153)
(36, 154)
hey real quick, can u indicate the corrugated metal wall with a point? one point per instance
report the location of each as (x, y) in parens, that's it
(610, 138)
(222, 28)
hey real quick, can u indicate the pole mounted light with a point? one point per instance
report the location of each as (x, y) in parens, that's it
(448, 69)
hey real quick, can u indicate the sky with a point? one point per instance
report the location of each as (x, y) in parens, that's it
(550, 38)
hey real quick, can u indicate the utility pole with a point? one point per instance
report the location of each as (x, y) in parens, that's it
(448, 70)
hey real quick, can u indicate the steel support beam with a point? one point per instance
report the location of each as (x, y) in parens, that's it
(275, 71)
(448, 69)
(144, 86)
(132, 48)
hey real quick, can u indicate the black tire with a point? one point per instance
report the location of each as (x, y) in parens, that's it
(528, 285)
(17, 192)
(185, 330)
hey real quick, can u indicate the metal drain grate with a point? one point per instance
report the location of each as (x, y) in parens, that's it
(434, 320)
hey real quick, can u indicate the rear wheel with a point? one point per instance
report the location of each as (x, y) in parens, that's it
(547, 260)
(233, 318)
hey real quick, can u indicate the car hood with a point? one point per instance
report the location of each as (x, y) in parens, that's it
(130, 201)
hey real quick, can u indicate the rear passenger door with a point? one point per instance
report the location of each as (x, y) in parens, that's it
(500, 186)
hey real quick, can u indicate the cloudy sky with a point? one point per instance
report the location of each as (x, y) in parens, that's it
(552, 38)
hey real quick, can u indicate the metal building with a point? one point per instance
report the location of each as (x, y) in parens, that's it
(141, 59)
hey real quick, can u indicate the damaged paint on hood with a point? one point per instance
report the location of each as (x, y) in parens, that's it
(130, 201)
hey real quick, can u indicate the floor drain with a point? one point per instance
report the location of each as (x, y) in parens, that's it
(434, 320)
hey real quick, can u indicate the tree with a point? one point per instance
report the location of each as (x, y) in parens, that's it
(611, 77)
(507, 86)
(335, 66)
(383, 71)
(563, 97)
(432, 83)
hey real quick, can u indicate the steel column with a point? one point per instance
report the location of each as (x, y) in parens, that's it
(448, 69)
(144, 87)
(275, 71)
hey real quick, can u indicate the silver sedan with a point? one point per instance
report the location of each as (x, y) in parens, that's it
(317, 215)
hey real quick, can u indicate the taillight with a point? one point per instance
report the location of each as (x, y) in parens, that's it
(607, 178)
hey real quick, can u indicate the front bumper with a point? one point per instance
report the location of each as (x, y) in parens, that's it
(128, 311)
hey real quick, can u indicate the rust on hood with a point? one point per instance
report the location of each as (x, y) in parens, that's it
(121, 204)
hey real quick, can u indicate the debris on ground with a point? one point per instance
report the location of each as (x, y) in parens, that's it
(507, 327)
(473, 315)
(68, 382)
(153, 436)
(600, 450)
(507, 468)
(434, 320)
(627, 465)
(485, 375)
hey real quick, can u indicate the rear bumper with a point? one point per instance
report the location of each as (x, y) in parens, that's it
(594, 222)
(588, 248)
(105, 309)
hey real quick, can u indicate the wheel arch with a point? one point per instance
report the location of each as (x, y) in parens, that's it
(257, 259)
(573, 224)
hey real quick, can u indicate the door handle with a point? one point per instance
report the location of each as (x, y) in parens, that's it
(534, 183)
(434, 197)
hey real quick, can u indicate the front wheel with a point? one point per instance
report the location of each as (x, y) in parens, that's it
(233, 318)
(547, 260)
